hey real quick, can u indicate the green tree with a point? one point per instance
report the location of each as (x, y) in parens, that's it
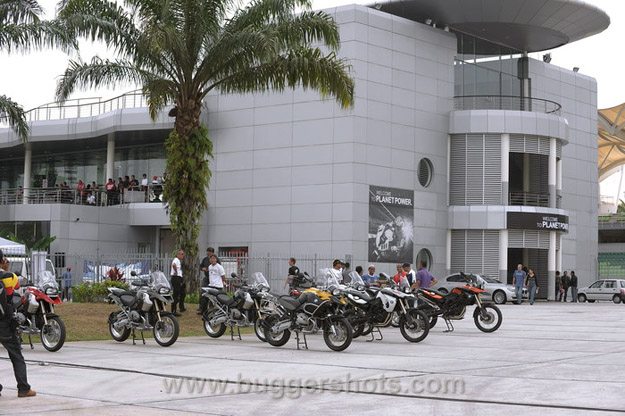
(181, 50)
(22, 29)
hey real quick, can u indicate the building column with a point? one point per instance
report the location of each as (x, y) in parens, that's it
(551, 266)
(448, 254)
(503, 256)
(110, 156)
(559, 183)
(28, 159)
(505, 168)
(553, 174)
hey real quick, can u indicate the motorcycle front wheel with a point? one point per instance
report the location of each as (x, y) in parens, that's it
(488, 318)
(338, 334)
(53, 334)
(166, 330)
(414, 325)
(118, 335)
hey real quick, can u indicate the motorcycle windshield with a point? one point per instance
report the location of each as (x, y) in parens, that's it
(160, 281)
(356, 279)
(45, 279)
(258, 281)
(329, 278)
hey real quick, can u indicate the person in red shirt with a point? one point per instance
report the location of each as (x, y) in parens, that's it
(400, 274)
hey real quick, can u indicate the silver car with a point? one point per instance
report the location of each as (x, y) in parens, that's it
(606, 289)
(496, 290)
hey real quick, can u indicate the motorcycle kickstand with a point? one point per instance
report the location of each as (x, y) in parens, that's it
(30, 341)
(301, 342)
(142, 337)
(379, 333)
(239, 333)
(133, 337)
(450, 326)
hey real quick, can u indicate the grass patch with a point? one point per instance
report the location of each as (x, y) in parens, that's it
(89, 321)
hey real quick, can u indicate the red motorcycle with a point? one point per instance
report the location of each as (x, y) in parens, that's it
(34, 312)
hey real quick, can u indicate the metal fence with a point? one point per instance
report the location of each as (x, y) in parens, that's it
(504, 102)
(97, 268)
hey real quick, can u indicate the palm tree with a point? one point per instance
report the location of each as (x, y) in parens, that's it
(181, 50)
(21, 29)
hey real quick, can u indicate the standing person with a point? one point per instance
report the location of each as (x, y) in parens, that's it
(424, 278)
(566, 283)
(345, 273)
(8, 336)
(370, 277)
(177, 283)
(518, 278)
(532, 284)
(205, 281)
(411, 276)
(401, 274)
(573, 287)
(110, 192)
(292, 273)
(336, 270)
(216, 273)
(66, 281)
(558, 286)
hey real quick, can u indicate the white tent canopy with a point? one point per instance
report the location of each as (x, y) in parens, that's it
(10, 248)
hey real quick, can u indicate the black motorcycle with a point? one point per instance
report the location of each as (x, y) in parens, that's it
(247, 307)
(143, 308)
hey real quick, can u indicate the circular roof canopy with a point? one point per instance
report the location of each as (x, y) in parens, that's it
(611, 140)
(524, 25)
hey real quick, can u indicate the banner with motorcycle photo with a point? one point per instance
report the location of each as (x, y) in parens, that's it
(391, 217)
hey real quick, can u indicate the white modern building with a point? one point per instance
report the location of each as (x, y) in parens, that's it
(460, 149)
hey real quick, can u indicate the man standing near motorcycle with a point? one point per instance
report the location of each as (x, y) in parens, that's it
(424, 278)
(216, 273)
(177, 283)
(8, 336)
(518, 278)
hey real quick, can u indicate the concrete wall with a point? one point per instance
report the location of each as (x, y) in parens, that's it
(578, 95)
(292, 171)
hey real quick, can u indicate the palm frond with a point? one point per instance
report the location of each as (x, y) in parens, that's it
(20, 11)
(43, 34)
(307, 68)
(13, 113)
(98, 73)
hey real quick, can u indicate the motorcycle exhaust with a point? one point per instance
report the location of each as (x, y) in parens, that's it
(281, 326)
(217, 321)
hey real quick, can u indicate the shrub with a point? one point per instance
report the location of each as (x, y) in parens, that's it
(95, 292)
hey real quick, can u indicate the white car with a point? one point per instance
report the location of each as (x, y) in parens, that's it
(496, 290)
(606, 289)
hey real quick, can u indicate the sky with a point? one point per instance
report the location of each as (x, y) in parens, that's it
(30, 79)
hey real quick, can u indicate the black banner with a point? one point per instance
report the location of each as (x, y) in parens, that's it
(534, 221)
(391, 217)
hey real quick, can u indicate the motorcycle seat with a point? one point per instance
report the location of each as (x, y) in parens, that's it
(120, 292)
(225, 299)
(212, 290)
(289, 303)
(434, 294)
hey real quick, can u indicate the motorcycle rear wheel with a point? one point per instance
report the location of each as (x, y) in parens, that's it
(259, 330)
(119, 336)
(414, 325)
(275, 339)
(53, 334)
(489, 319)
(213, 331)
(341, 338)
(166, 330)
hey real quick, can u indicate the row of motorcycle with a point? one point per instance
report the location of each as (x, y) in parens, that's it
(341, 312)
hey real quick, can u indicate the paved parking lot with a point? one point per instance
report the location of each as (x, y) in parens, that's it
(547, 359)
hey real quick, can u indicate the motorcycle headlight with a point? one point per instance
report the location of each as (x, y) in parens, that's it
(336, 292)
(163, 290)
(51, 291)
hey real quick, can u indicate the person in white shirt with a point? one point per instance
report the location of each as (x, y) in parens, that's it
(216, 273)
(177, 283)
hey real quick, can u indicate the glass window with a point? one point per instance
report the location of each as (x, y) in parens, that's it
(597, 285)
(425, 255)
(139, 160)
(454, 278)
(609, 284)
(424, 172)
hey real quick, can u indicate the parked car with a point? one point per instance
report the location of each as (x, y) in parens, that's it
(605, 289)
(496, 290)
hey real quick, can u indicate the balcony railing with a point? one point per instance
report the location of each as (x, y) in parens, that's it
(612, 221)
(82, 107)
(98, 197)
(506, 102)
(529, 199)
